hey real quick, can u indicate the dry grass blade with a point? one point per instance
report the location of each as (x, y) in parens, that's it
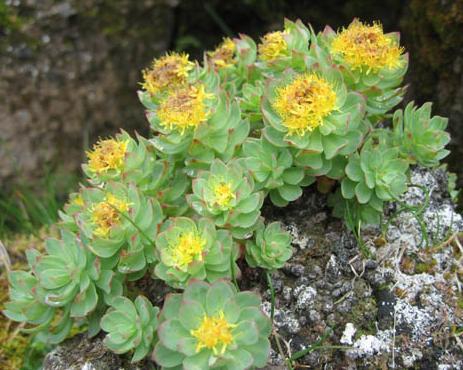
(4, 257)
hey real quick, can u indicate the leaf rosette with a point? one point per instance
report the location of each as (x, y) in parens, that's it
(271, 247)
(27, 300)
(273, 170)
(198, 124)
(130, 326)
(280, 50)
(212, 326)
(187, 249)
(375, 175)
(126, 160)
(314, 112)
(420, 137)
(67, 282)
(226, 194)
(118, 220)
(70, 275)
(372, 63)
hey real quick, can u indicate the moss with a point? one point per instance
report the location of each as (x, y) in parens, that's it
(15, 348)
(14, 343)
(363, 316)
(9, 20)
(425, 267)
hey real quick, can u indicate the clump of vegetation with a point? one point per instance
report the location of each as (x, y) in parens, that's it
(251, 121)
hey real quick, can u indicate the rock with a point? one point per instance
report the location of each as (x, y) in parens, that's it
(82, 353)
(348, 334)
(70, 75)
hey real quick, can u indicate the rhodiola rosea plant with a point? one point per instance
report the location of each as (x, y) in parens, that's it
(249, 122)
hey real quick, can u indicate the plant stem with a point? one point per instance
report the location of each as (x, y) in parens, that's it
(123, 214)
(317, 345)
(232, 269)
(272, 293)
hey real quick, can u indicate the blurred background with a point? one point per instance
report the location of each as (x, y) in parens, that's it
(70, 69)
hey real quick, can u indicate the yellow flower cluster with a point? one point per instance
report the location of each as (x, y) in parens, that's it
(223, 55)
(273, 45)
(184, 108)
(363, 46)
(223, 194)
(166, 72)
(214, 333)
(107, 155)
(304, 103)
(107, 214)
(189, 248)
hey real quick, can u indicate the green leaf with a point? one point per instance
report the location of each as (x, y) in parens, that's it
(248, 299)
(353, 169)
(277, 199)
(219, 293)
(363, 193)
(242, 359)
(171, 333)
(200, 361)
(171, 306)
(246, 333)
(84, 302)
(348, 188)
(293, 176)
(260, 352)
(290, 192)
(191, 314)
(166, 357)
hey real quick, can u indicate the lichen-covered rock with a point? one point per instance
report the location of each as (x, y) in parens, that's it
(82, 353)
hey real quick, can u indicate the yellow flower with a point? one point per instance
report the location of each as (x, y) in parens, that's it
(214, 333)
(223, 55)
(223, 194)
(184, 108)
(272, 46)
(304, 103)
(189, 248)
(107, 155)
(166, 72)
(106, 214)
(366, 47)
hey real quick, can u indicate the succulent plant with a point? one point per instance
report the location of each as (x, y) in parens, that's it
(374, 175)
(250, 102)
(279, 50)
(224, 56)
(250, 121)
(68, 277)
(130, 326)
(27, 300)
(197, 125)
(226, 194)
(273, 170)
(421, 139)
(170, 71)
(314, 112)
(271, 247)
(376, 171)
(212, 326)
(373, 63)
(118, 216)
(126, 160)
(187, 249)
